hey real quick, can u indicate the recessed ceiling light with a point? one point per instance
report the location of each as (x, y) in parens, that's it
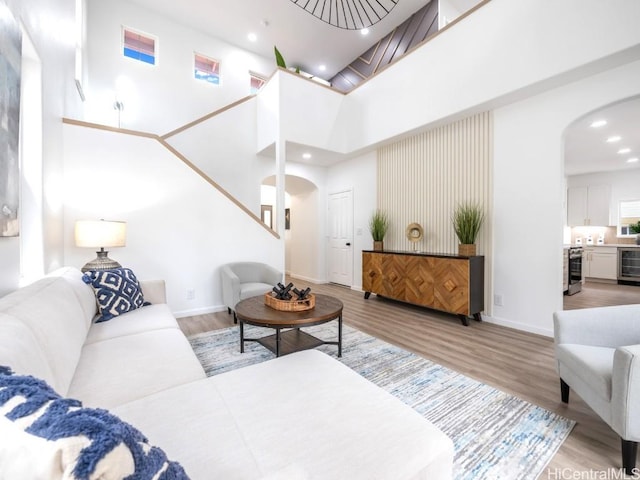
(624, 150)
(364, 31)
(252, 37)
(306, 156)
(615, 138)
(632, 160)
(322, 68)
(598, 123)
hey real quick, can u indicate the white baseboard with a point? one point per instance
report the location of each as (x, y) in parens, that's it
(518, 325)
(199, 311)
(307, 279)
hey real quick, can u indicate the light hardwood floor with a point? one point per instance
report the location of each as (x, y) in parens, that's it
(516, 362)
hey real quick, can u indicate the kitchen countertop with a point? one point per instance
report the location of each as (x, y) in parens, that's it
(624, 245)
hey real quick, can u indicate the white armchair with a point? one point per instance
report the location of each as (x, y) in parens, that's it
(242, 280)
(598, 354)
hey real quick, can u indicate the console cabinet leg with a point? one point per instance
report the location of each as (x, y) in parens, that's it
(367, 295)
(464, 320)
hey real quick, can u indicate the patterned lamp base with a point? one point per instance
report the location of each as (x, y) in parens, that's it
(101, 262)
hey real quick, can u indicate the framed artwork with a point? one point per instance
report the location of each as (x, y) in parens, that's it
(10, 64)
(287, 219)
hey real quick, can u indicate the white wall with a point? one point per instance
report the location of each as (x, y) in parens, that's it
(164, 96)
(308, 113)
(529, 193)
(48, 24)
(304, 245)
(308, 212)
(359, 176)
(503, 52)
(224, 147)
(179, 228)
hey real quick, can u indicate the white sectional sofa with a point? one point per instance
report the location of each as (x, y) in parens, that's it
(302, 416)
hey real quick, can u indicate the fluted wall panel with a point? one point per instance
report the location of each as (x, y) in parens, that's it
(422, 178)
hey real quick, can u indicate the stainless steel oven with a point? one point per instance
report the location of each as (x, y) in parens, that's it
(575, 270)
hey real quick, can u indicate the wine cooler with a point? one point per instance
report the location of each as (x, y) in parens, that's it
(629, 265)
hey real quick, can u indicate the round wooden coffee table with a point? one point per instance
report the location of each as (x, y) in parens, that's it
(253, 311)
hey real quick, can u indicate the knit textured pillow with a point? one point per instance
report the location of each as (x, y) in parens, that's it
(117, 292)
(53, 437)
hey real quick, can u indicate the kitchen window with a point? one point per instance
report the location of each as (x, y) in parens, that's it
(629, 214)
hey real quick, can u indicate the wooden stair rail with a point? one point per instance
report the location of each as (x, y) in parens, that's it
(206, 117)
(179, 155)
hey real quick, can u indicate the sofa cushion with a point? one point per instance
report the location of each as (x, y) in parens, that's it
(50, 309)
(594, 365)
(19, 349)
(152, 317)
(71, 441)
(207, 443)
(301, 413)
(121, 369)
(84, 293)
(117, 291)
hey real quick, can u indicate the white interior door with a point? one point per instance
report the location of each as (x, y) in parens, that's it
(341, 238)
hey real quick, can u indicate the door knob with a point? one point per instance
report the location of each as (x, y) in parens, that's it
(348, 244)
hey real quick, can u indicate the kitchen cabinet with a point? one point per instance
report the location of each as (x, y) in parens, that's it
(588, 205)
(450, 283)
(600, 262)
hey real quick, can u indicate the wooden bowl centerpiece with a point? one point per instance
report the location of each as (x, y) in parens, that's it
(290, 299)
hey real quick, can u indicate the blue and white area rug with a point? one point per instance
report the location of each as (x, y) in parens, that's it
(496, 435)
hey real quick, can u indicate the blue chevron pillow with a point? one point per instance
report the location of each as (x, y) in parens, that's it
(117, 292)
(55, 437)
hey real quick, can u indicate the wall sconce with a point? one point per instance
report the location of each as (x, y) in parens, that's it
(100, 234)
(119, 106)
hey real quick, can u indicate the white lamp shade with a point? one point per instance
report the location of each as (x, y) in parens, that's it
(100, 233)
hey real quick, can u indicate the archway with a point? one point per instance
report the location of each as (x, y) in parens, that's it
(302, 237)
(602, 173)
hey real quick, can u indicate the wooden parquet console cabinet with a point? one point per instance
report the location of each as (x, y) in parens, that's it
(449, 283)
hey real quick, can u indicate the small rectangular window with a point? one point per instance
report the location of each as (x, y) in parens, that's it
(139, 46)
(256, 82)
(206, 69)
(629, 215)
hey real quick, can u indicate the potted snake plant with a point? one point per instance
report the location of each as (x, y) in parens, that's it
(378, 226)
(467, 219)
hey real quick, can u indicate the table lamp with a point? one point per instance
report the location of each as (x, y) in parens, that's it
(100, 234)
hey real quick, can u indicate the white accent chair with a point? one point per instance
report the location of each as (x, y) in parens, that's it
(242, 280)
(598, 354)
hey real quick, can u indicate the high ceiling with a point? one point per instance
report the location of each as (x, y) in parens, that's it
(587, 149)
(308, 42)
(303, 39)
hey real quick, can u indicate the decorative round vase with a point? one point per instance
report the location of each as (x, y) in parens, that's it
(378, 246)
(467, 249)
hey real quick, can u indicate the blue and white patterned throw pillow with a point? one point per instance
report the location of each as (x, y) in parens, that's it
(73, 442)
(117, 291)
